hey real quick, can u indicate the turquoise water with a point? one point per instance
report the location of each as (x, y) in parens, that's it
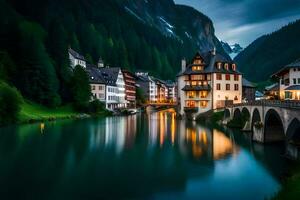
(146, 156)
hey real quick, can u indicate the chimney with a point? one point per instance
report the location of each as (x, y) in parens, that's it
(214, 51)
(183, 65)
(100, 63)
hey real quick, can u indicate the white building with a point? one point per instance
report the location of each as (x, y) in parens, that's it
(148, 85)
(208, 83)
(76, 59)
(289, 81)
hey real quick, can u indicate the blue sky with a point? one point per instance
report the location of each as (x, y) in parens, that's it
(242, 21)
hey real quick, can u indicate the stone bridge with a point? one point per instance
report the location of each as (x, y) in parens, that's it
(269, 121)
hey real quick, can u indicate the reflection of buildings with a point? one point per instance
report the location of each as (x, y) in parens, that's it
(191, 138)
(113, 133)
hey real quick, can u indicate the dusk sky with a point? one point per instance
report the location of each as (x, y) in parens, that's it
(242, 21)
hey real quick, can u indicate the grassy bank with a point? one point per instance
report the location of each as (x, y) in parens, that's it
(32, 112)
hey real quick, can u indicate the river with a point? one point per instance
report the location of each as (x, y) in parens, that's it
(145, 156)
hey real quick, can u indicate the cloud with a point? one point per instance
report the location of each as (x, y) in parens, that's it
(236, 19)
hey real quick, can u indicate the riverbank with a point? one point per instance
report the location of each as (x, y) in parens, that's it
(32, 112)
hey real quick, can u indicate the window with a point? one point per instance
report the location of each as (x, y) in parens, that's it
(101, 87)
(219, 76)
(227, 77)
(219, 66)
(227, 86)
(208, 77)
(203, 104)
(295, 69)
(191, 104)
(191, 94)
(218, 86)
(287, 82)
(282, 81)
(198, 77)
(197, 61)
(93, 87)
(226, 66)
(203, 94)
(236, 87)
(295, 81)
(236, 77)
(234, 67)
(197, 68)
(298, 80)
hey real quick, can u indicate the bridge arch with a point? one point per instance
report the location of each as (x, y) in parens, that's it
(246, 114)
(237, 114)
(255, 117)
(274, 130)
(293, 131)
(227, 114)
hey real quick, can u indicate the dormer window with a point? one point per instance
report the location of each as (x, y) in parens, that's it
(226, 66)
(234, 67)
(197, 68)
(197, 62)
(219, 66)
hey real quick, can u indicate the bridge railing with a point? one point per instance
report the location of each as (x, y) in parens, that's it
(271, 103)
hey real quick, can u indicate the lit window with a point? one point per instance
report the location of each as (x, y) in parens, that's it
(203, 104)
(219, 65)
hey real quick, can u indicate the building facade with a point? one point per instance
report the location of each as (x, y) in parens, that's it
(249, 90)
(98, 85)
(209, 82)
(76, 59)
(289, 81)
(130, 88)
(148, 86)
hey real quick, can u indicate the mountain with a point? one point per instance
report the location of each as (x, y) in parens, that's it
(270, 53)
(231, 50)
(150, 35)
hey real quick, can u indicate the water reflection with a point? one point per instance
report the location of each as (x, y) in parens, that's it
(150, 156)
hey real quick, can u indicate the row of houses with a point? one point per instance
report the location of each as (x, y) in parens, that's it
(116, 87)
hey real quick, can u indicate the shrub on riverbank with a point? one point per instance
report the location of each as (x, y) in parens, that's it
(10, 104)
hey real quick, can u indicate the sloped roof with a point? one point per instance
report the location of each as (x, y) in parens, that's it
(110, 75)
(95, 75)
(273, 87)
(76, 55)
(247, 83)
(295, 64)
(293, 87)
(210, 61)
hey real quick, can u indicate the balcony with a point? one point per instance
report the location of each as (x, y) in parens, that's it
(191, 109)
(197, 88)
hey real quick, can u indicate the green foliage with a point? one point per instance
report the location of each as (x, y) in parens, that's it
(96, 107)
(10, 102)
(7, 67)
(270, 53)
(217, 116)
(80, 87)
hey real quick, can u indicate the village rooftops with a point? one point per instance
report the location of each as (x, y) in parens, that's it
(107, 76)
(95, 74)
(212, 63)
(76, 55)
(285, 70)
(248, 84)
